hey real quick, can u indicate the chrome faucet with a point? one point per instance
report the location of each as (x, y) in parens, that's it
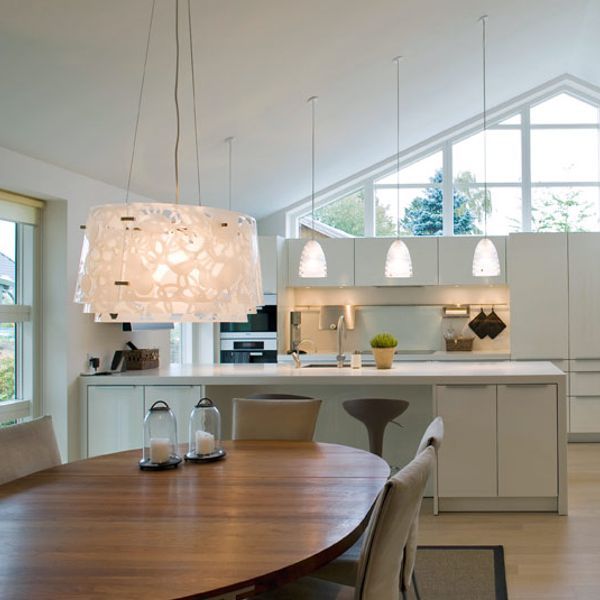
(341, 357)
(296, 356)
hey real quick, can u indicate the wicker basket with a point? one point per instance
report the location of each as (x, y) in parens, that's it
(138, 360)
(459, 345)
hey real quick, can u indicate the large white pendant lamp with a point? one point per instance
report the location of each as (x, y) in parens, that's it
(160, 262)
(398, 262)
(312, 260)
(485, 259)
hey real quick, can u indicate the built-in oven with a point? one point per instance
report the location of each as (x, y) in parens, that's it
(254, 341)
(249, 350)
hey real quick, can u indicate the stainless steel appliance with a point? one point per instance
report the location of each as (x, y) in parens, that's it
(254, 341)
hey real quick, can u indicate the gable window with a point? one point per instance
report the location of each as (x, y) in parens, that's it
(543, 174)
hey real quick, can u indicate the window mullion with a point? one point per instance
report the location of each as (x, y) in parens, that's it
(370, 211)
(526, 170)
(447, 195)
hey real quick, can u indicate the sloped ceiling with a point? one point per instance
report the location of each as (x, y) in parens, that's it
(70, 73)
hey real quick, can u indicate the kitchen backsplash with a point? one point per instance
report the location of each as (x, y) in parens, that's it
(413, 315)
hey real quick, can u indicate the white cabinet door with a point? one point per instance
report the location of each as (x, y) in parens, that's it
(340, 263)
(267, 247)
(539, 295)
(584, 295)
(180, 398)
(527, 441)
(370, 255)
(115, 418)
(467, 458)
(456, 260)
(584, 413)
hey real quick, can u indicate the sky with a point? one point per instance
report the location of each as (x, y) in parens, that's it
(7, 239)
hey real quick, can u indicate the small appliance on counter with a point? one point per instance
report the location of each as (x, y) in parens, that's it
(254, 341)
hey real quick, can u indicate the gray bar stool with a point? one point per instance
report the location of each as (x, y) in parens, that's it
(375, 414)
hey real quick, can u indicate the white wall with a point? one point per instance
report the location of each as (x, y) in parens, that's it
(67, 334)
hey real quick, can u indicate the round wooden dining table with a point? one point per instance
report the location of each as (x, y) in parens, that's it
(102, 528)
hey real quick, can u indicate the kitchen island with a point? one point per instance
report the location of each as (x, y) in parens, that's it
(505, 446)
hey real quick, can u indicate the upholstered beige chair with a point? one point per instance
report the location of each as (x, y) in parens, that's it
(26, 448)
(380, 562)
(275, 419)
(343, 569)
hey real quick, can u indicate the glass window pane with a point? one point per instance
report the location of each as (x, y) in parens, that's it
(419, 172)
(420, 211)
(514, 120)
(564, 108)
(346, 214)
(175, 339)
(503, 156)
(565, 208)
(503, 210)
(8, 275)
(7, 360)
(564, 155)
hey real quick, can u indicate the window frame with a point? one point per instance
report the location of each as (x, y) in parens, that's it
(445, 141)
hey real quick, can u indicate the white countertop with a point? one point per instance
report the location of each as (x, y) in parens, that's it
(438, 355)
(405, 373)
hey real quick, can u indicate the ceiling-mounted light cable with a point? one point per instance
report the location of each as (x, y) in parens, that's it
(312, 260)
(229, 141)
(398, 262)
(485, 258)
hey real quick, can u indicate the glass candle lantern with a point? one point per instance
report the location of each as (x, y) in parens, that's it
(160, 438)
(205, 433)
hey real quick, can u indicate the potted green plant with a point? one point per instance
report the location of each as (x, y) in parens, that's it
(384, 346)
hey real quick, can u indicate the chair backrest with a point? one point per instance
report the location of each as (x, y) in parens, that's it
(380, 561)
(275, 419)
(26, 448)
(432, 438)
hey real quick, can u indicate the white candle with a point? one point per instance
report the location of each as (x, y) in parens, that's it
(205, 442)
(160, 450)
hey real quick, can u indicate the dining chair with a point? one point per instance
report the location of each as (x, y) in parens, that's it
(275, 418)
(26, 448)
(344, 568)
(380, 562)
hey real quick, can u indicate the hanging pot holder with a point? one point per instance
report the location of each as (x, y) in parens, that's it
(494, 325)
(479, 325)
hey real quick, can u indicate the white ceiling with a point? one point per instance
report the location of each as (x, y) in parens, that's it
(70, 72)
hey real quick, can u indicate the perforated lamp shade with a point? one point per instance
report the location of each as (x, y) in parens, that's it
(169, 262)
(398, 262)
(485, 259)
(312, 260)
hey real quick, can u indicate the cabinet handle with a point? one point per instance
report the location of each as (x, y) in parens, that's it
(526, 385)
(469, 386)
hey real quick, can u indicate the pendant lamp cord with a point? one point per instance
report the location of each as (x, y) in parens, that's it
(229, 142)
(176, 96)
(483, 20)
(194, 102)
(139, 103)
(313, 101)
(397, 61)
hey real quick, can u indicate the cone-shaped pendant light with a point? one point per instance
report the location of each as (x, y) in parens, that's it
(398, 262)
(485, 259)
(160, 262)
(312, 260)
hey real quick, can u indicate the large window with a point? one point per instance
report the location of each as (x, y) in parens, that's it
(543, 174)
(17, 310)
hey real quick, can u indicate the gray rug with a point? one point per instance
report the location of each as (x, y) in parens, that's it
(459, 573)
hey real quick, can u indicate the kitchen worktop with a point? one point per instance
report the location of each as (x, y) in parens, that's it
(406, 356)
(405, 373)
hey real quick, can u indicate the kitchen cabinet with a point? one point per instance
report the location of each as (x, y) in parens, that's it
(115, 416)
(527, 441)
(180, 398)
(584, 295)
(467, 457)
(456, 260)
(500, 441)
(340, 263)
(538, 276)
(268, 248)
(370, 255)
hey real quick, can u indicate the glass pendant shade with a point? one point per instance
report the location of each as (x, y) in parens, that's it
(160, 438)
(398, 262)
(312, 260)
(169, 262)
(485, 260)
(205, 432)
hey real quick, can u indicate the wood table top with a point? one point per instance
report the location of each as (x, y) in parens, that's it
(101, 528)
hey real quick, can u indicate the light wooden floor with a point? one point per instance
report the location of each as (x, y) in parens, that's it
(547, 556)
